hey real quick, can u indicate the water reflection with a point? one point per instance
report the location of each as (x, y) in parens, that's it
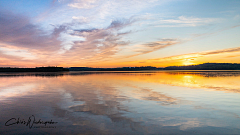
(123, 102)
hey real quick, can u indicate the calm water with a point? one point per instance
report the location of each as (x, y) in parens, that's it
(120, 103)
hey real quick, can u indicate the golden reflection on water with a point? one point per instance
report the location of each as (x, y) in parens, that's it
(223, 81)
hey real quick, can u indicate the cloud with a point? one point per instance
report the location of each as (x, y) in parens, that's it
(17, 30)
(17, 53)
(199, 54)
(82, 4)
(119, 24)
(184, 21)
(153, 46)
(222, 51)
(80, 18)
(13, 58)
(140, 49)
(99, 43)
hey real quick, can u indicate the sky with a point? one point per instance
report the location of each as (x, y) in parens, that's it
(118, 33)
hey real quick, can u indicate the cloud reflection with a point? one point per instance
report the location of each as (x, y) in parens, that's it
(110, 103)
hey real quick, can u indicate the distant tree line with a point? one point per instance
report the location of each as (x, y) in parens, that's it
(37, 69)
(207, 66)
(113, 69)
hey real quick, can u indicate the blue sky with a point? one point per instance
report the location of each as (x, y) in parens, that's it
(104, 33)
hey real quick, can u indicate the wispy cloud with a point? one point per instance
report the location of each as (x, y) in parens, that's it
(140, 49)
(25, 55)
(81, 4)
(183, 21)
(221, 51)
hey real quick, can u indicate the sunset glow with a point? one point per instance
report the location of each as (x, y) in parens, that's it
(99, 33)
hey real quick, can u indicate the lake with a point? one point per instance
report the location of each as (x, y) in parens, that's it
(141, 102)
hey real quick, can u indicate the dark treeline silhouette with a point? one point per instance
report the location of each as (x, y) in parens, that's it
(207, 66)
(113, 69)
(37, 69)
(36, 74)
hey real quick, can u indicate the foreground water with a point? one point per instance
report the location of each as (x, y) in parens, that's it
(164, 102)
